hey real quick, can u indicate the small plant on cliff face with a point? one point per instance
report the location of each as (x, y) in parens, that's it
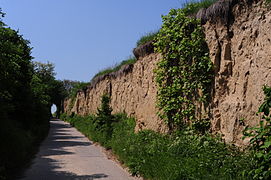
(261, 139)
(185, 72)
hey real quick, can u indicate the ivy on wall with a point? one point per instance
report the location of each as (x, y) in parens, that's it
(184, 74)
(261, 139)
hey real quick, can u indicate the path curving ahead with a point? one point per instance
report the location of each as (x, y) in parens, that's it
(66, 154)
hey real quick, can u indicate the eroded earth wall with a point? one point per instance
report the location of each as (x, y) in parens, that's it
(241, 52)
(132, 92)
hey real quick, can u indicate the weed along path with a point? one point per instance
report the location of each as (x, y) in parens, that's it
(68, 155)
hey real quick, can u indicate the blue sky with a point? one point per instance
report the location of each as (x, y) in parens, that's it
(82, 37)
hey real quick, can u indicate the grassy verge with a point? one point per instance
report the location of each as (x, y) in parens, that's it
(155, 156)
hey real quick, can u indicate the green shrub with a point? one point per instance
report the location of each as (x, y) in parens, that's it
(181, 155)
(261, 139)
(146, 38)
(25, 99)
(103, 121)
(185, 72)
(64, 116)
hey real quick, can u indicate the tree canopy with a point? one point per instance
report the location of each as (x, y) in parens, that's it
(27, 91)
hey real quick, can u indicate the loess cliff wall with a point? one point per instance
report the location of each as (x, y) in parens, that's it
(241, 52)
(240, 48)
(132, 90)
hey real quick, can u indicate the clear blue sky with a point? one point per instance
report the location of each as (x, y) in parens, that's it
(82, 37)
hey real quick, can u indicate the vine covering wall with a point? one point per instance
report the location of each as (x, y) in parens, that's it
(184, 74)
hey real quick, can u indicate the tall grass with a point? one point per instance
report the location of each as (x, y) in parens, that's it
(180, 156)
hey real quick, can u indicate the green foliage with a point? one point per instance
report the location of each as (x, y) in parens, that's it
(58, 95)
(192, 7)
(46, 89)
(71, 89)
(104, 119)
(1, 24)
(115, 68)
(100, 126)
(185, 73)
(27, 91)
(179, 156)
(42, 81)
(182, 155)
(261, 139)
(17, 107)
(146, 38)
(76, 86)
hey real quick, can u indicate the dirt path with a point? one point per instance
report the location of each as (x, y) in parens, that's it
(66, 154)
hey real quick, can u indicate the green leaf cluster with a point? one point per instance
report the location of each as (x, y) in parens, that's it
(261, 139)
(184, 74)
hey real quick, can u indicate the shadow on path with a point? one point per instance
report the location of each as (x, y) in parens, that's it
(48, 164)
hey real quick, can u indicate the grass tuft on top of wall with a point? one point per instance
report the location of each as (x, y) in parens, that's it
(192, 7)
(115, 68)
(146, 38)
